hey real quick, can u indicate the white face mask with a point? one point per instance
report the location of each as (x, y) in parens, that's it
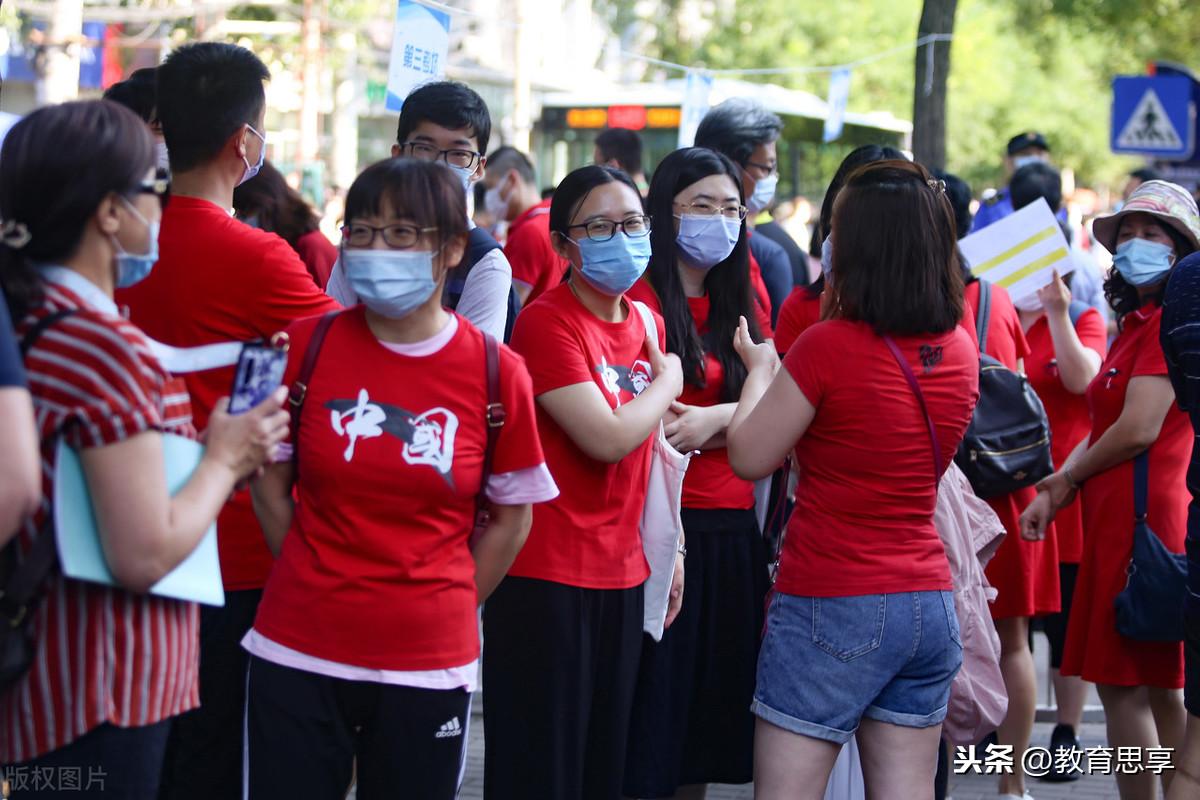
(1029, 303)
(495, 204)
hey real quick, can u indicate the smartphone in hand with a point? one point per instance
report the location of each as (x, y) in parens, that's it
(259, 372)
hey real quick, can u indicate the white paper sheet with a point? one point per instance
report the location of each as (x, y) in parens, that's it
(1020, 251)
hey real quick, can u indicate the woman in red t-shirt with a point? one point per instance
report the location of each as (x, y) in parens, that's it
(564, 629)
(691, 716)
(1133, 411)
(862, 634)
(366, 644)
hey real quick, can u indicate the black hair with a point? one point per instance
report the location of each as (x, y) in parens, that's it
(1122, 296)
(575, 188)
(1034, 180)
(736, 127)
(279, 208)
(56, 166)
(509, 158)
(727, 283)
(622, 145)
(452, 105)
(206, 92)
(855, 159)
(427, 192)
(958, 192)
(137, 93)
(1144, 174)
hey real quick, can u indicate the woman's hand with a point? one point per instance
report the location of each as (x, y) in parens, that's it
(664, 366)
(1055, 296)
(691, 427)
(675, 603)
(243, 443)
(754, 356)
(1036, 517)
(1059, 489)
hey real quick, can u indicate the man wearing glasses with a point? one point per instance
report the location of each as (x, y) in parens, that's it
(448, 122)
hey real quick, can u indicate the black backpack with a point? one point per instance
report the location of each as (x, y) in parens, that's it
(479, 244)
(1007, 444)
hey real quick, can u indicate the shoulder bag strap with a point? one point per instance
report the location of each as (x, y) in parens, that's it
(1141, 484)
(41, 326)
(299, 388)
(985, 314)
(938, 465)
(495, 415)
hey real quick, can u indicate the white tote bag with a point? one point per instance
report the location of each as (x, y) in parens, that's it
(661, 527)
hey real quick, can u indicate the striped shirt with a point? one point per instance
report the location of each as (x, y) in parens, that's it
(104, 655)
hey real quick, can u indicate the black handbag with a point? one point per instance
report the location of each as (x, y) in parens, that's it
(22, 579)
(1007, 445)
(1150, 607)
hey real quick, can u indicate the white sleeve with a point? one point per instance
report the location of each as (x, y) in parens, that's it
(339, 287)
(484, 299)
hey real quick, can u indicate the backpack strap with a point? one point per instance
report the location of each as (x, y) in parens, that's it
(495, 413)
(41, 326)
(985, 314)
(938, 465)
(299, 388)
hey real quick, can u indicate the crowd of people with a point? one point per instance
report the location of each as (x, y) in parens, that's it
(449, 489)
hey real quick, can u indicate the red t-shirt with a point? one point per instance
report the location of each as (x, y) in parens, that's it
(530, 253)
(375, 570)
(318, 255)
(863, 522)
(761, 296)
(709, 481)
(800, 311)
(1005, 340)
(1068, 414)
(588, 536)
(219, 280)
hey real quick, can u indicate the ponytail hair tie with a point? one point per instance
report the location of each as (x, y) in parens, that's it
(937, 184)
(14, 234)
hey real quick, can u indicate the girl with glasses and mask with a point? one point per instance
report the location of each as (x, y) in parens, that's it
(80, 201)
(564, 629)
(691, 721)
(366, 645)
(1133, 411)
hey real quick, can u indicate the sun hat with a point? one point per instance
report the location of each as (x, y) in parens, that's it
(1170, 203)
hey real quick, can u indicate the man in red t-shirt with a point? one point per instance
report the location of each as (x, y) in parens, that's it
(513, 197)
(218, 280)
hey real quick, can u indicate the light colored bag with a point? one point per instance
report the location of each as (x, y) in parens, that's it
(661, 528)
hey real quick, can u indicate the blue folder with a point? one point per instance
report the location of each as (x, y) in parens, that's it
(196, 578)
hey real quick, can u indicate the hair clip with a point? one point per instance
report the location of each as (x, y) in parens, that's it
(937, 184)
(14, 234)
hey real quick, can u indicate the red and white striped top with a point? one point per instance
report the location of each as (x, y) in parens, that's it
(104, 655)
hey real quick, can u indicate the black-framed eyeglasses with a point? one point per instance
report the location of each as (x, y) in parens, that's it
(463, 159)
(601, 230)
(767, 168)
(400, 237)
(703, 209)
(160, 187)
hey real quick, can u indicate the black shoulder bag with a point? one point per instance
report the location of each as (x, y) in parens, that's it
(1007, 445)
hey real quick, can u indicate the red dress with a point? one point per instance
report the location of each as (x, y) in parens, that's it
(1094, 648)
(1024, 573)
(1070, 422)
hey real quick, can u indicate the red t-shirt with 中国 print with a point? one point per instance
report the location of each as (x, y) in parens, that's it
(219, 280)
(588, 536)
(863, 521)
(375, 570)
(709, 481)
(529, 251)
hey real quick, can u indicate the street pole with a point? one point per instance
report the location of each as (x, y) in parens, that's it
(64, 34)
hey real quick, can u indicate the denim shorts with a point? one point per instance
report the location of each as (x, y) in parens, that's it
(826, 662)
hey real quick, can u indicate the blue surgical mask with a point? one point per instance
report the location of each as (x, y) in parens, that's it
(134, 267)
(1022, 161)
(705, 242)
(392, 283)
(251, 171)
(615, 265)
(1142, 262)
(827, 256)
(764, 193)
(464, 175)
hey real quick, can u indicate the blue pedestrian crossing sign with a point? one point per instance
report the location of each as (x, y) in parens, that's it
(1153, 116)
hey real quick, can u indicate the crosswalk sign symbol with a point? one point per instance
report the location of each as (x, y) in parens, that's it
(1153, 115)
(1149, 128)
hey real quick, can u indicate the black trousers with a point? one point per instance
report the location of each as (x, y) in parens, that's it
(107, 763)
(204, 752)
(1055, 625)
(309, 734)
(559, 668)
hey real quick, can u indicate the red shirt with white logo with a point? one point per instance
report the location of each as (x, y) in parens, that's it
(528, 250)
(375, 570)
(588, 536)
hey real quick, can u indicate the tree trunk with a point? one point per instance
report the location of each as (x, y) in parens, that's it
(929, 91)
